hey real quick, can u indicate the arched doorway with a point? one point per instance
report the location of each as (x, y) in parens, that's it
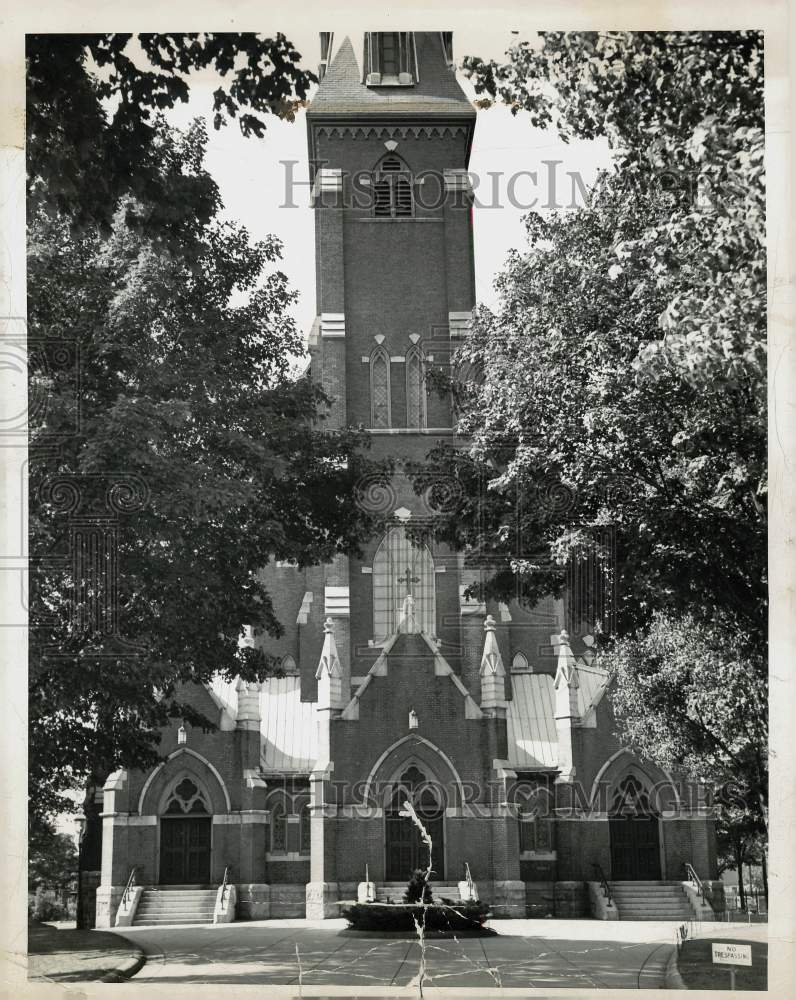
(185, 836)
(635, 835)
(401, 568)
(405, 847)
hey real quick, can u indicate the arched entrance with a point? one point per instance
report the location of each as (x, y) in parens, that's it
(185, 836)
(635, 835)
(401, 569)
(405, 847)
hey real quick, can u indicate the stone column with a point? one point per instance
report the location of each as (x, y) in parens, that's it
(567, 712)
(322, 889)
(116, 862)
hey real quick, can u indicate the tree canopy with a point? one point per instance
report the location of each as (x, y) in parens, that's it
(623, 374)
(174, 449)
(618, 390)
(92, 100)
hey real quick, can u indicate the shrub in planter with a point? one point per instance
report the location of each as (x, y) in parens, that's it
(401, 916)
(418, 890)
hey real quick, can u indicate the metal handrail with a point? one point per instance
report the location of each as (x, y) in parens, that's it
(224, 885)
(696, 881)
(129, 887)
(604, 883)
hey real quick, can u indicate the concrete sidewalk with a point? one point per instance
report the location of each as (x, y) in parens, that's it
(69, 956)
(579, 954)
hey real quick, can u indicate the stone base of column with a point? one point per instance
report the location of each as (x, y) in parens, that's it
(508, 899)
(254, 901)
(322, 900)
(571, 900)
(108, 899)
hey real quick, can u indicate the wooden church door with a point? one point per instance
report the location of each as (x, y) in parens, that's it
(185, 837)
(405, 848)
(635, 835)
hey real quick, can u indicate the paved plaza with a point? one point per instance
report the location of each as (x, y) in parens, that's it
(524, 953)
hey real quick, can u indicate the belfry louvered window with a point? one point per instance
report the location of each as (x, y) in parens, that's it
(380, 389)
(392, 189)
(390, 59)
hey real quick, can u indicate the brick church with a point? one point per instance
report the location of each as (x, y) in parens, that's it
(492, 719)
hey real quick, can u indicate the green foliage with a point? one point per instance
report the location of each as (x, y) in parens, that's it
(402, 916)
(187, 394)
(621, 383)
(43, 907)
(615, 401)
(52, 861)
(92, 102)
(693, 697)
(418, 889)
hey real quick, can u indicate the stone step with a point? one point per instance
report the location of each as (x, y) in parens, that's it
(157, 921)
(175, 906)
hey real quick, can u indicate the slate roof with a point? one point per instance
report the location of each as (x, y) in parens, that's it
(342, 91)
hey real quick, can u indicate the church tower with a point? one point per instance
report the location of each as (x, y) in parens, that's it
(395, 686)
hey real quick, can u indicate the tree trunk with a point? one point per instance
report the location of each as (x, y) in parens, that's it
(739, 869)
(764, 872)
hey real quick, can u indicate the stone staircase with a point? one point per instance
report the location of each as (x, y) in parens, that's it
(175, 906)
(651, 901)
(394, 891)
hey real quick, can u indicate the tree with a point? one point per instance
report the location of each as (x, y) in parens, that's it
(693, 697)
(621, 383)
(52, 860)
(613, 406)
(183, 431)
(92, 101)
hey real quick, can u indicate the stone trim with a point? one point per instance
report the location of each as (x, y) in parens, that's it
(333, 325)
(390, 131)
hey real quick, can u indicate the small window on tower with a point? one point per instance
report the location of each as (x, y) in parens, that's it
(392, 189)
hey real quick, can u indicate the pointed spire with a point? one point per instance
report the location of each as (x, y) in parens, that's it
(566, 682)
(344, 67)
(329, 672)
(493, 691)
(491, 660)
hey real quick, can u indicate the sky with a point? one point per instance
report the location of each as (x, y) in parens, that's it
(251, 173)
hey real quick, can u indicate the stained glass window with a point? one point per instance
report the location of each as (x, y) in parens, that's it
(415, 390)
(380, 389)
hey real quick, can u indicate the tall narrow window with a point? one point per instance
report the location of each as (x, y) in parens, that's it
(392, 189)
(415, 389)
(380, 389)
(278, 828)
(401, 568)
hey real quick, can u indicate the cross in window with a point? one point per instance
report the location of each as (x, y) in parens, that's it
(408, 579)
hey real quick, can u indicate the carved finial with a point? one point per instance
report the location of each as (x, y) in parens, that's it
(564, 635)
(489, 624)
(328, 625)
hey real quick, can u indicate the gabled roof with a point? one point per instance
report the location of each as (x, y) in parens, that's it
(343, 92)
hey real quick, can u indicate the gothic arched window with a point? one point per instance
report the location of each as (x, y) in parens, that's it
(631, 799)
(399, 568)
(304, 835)
(186, 799)
(519, 665)
(380, 388)
(278, 827)
(392, 189)
(415, 389)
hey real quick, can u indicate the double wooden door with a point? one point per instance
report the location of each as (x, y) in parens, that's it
(185, 850)
(406, 849)
(635, 848)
